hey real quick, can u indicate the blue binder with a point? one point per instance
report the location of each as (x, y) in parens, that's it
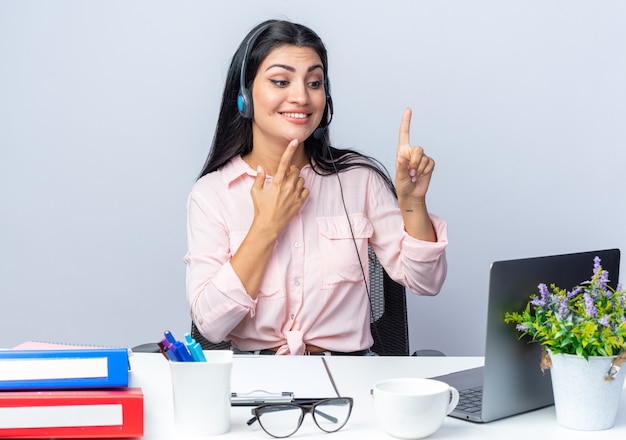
(64, 368)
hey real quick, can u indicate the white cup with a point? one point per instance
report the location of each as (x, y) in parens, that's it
(201, 392)
(412, 408)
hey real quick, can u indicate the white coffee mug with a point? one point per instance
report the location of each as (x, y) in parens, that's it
(413, 408)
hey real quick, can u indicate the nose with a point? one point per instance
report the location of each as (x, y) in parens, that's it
(298, 94)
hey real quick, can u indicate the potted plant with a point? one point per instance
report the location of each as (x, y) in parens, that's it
(583, 332)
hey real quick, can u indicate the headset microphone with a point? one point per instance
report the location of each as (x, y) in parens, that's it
(319, 131)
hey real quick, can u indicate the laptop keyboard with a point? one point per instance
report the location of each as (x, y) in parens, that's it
(470, 400)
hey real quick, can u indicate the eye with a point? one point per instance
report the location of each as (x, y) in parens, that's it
(315, 84)
(279, 82)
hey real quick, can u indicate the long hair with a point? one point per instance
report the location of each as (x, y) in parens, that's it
(233, 134)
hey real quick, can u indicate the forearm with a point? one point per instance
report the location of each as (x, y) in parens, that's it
(251, 259)
(416, 219)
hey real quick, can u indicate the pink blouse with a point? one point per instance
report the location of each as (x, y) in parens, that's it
(313, 291)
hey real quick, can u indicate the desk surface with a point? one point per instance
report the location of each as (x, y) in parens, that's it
(354, 377)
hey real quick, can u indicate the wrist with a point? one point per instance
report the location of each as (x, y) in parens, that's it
(412, 204)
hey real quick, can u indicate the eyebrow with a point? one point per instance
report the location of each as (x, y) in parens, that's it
(291, 69)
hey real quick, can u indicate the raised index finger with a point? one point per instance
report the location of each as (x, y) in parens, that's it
(285, 160)
(405, 128)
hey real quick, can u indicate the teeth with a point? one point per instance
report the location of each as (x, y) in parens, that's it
(295, 115)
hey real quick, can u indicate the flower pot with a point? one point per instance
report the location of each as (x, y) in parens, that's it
(583, 398)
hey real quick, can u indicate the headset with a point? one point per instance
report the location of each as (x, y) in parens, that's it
(244, 98)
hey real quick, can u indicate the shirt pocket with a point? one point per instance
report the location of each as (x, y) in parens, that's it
(338, 259)
(270, 286)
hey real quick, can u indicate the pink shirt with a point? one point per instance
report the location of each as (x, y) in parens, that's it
(313, 291)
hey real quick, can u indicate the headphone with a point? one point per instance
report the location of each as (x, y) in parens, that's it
(244, 98)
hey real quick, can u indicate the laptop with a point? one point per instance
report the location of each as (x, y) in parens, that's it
(511, 381)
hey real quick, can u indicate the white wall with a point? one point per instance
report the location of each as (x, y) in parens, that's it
(107, 110)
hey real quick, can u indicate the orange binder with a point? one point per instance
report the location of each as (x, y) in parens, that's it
(109, 413)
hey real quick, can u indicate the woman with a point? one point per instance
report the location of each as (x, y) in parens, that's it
(277, 216)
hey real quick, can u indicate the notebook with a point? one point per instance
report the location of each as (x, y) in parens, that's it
(511, 381)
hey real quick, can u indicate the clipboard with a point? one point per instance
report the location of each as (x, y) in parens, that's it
(259, 397)
(256, 380)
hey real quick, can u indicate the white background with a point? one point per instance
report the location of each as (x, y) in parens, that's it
(107, 111)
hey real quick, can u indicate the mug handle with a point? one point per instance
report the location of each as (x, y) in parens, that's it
(454, 400)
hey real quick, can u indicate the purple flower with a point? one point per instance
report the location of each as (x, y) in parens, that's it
(596, 264)
(589, 306)
(543, 300)
(574, 292)
(604, 320)
(563, 308)
(603, 280)
(537, 302)
(521, 328)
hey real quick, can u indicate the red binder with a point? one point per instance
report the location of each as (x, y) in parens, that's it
(109, 413)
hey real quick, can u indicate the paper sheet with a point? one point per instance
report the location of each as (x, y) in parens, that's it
(307, 377)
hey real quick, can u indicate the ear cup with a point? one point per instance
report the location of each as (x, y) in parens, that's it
(244, 103)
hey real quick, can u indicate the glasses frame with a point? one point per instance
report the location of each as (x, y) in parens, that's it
(306, 407)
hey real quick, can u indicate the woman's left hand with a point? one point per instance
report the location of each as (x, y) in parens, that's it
(413, 168)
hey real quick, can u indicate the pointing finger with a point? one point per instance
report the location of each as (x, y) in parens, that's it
(405, 128)
(285, 160)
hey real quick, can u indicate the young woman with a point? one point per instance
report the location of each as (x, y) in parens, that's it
(279, 221)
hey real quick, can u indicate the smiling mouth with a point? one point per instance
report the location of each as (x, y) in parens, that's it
(296, 115)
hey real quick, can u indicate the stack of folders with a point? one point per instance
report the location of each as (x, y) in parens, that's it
(68, 393)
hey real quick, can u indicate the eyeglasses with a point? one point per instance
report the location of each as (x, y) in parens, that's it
(284, 419)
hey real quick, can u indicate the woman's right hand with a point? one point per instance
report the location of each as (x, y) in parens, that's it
(278, 202)
(275, 204)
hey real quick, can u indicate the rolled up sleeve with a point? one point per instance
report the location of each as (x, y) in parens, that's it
(216, 297)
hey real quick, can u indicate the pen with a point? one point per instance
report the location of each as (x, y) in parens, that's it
(169, 351)
(194, 348)
(179, 348)
(164, 351)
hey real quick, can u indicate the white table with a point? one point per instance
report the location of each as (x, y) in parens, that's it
(354, 377)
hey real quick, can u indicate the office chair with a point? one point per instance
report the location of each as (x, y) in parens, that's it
(388, 319)
(388, 314)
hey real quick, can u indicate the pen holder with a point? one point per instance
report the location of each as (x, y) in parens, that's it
(201, 392)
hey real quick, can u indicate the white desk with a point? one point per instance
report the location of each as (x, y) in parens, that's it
(354, 377)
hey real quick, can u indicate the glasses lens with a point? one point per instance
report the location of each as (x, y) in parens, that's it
(330, 415)
(280, 420)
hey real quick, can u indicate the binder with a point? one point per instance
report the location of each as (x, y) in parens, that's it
(63, 368)
(110, 413)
